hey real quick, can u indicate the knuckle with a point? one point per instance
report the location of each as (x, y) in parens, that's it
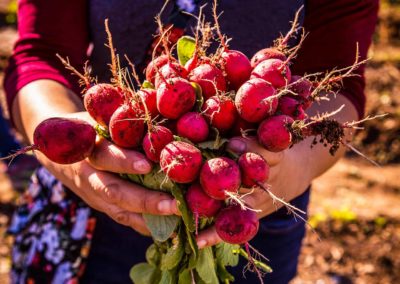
(112, 192)
(121, 217)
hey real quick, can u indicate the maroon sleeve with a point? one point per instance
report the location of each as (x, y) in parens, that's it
(334, 28)
(45, 28)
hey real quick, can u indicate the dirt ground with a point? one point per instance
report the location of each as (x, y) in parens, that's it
(355, 212)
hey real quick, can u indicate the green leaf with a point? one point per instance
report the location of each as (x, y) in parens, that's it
(153, 255)
(144, 273)
(174, 254)
(147, 85)
(199, 96)
(103, 132)
(167, 277)
(193, 247)
(213, 145)
(157, 180)
(186, 46)
(206, 266)
(185, 277)
(187, 215)
(161, 227)
(223, 274)
(226, 254)
(135, 178)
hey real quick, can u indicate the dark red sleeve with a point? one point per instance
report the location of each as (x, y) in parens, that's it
(334, 28)
(45, 28)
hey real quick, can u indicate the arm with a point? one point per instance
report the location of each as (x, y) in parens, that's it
(334, 29)
(37, 89)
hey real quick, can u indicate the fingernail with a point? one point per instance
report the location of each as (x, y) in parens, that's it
(141, 166)
(165, 207)
(201, 244)
(237, 146)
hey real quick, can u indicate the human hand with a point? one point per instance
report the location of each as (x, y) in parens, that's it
(289, 178)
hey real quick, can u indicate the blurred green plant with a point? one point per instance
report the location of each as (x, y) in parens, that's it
(11, 17)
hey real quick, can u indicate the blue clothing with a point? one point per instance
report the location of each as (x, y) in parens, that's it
(8, 143)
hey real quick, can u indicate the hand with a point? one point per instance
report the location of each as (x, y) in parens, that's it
(289, 178)
(93, 180)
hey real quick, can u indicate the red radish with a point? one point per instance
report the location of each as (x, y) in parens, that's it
(201, 204)
(274, 71)
(155, 140)
(63, 140)
(241, 126)
(150, 99)
(291, 107)
(267, 53)
(127, 126)
(254, 168)
(175, 97)
(170, 70)
(237, 68)
(101, 101)
(254, 100)
(303, 88)
(220, 176)
(221, 112)
(157, 63)
(193, 126)
(210, 79)
(181, 161)
(274, 133)
(235, 225)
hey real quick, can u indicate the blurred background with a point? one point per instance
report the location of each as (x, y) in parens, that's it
(355, 208)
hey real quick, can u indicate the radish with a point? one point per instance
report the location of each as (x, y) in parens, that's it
(155, 140)
(237, 68)
(193, 126)
(254, 168)
(153, 66)
(291, 107)
(221, 112)
(242, 126)
(181, 161)
(267, 53)
(170, 70)
(274, 71)
(149, 97)
(254, 100)
(101, 101)
(127, 126)
(220, 177)
(303, 88)
(210, 79)
(274, 133)
(62, 140)
(201, 204)
(175, 97)
(235, 225)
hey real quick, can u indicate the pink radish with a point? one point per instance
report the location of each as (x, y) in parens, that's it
(101, 101)
(170, 70)
(219, 177)
(221, 112)
(235, 225)
(155, 140)
(291, 107)
(254, 100)
(274, 133)
(303, 88)
(274, 71)
(210, 79)
(193, 126)
(237, 68)
(267, 53)
(254, 168)
(181, 161)
(150, 99)
(127, 126)
(175, 97)
(157, 63)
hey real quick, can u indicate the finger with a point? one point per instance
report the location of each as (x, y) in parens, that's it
(240, 145)
(126, 195)
(129, 219)
(208, 237)
(109, 157)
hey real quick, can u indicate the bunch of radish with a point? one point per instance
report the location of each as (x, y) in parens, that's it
(181, 118)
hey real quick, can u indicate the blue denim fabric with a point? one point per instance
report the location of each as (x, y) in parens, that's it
(116, 248)
(8, 143)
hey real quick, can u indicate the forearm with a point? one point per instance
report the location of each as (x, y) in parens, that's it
(40, 100)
